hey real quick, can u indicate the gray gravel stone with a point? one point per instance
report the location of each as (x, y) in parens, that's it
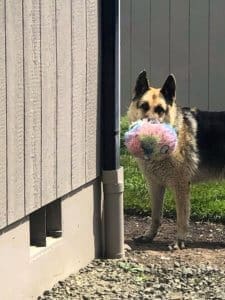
(127, 279)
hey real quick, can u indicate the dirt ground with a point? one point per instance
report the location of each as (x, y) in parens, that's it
(205, 244)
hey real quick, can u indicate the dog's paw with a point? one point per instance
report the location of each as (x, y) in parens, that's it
(143, 239)
(178, 245)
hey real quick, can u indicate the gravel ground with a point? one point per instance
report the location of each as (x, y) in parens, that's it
(152, 271)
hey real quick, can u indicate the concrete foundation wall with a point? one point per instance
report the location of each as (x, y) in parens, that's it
(27, 271)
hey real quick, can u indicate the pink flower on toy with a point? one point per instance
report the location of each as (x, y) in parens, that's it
(148, 139)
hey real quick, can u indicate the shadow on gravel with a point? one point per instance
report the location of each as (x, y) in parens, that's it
(163, 245)
(202, 235)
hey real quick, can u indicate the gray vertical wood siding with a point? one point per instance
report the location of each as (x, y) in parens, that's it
(3, 121)
(49, 99)
(32, 89)
(92, 115)
(15, 109)
(79, 75)
(64, 96)
(184, 37)
(49, 102)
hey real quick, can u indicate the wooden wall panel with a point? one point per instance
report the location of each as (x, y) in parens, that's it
(32, 80)
(64, 94)
(125, 53)
(78, 91)
(92, 105)
(49, 102)
(140, 35)
(48, 65)
(199, 41)
(15, 109)
(185, 39)
(3, 156)
(217, 56)
(179, 48)
(160, 45)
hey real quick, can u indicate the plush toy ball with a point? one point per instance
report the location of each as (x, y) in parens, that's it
(150, 139)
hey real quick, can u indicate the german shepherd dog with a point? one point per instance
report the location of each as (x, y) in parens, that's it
(199, 155)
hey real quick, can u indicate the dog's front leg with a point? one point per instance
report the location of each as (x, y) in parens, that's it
(182, 197)
(157, 194)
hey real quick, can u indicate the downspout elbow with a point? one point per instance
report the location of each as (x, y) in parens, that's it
(113, 187)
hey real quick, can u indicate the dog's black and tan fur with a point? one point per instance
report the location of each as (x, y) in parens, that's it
(199, 155)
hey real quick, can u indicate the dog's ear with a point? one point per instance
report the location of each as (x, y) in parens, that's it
(141, 85)
(169, 89)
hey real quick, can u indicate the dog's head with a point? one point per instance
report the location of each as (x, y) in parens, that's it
(153, 103)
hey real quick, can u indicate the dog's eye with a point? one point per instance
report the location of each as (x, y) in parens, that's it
(159, 110)
(145, 106)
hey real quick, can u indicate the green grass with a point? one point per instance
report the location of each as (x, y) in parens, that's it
(207, 199)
